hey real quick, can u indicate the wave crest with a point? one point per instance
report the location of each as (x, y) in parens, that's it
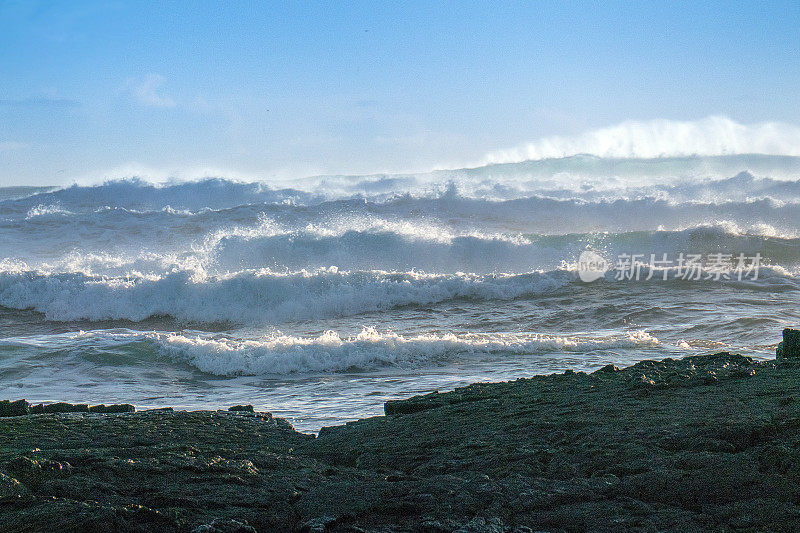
(370, 349)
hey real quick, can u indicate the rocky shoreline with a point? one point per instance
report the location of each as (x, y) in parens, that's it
(704, 442)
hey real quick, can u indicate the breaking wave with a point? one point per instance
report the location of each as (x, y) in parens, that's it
(370, 349)
(263, 297)
(389, 245)
(256, 297)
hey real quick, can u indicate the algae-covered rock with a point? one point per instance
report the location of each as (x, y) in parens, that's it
(245, 408)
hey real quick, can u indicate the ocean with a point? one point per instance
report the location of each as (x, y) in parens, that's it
(318, 299)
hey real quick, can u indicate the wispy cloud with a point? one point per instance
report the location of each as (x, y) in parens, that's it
(662, 138)
(147, 91)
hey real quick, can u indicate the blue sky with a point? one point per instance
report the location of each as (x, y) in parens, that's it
(94, 90)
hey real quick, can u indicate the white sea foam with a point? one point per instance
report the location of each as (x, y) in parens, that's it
(663, 138)
(45, 210)
(371, 349)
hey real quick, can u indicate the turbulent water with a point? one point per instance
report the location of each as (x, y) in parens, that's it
(321, 298)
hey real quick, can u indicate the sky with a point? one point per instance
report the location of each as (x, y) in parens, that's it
(98, 90)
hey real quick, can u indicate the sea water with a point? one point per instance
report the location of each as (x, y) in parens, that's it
(319, 299)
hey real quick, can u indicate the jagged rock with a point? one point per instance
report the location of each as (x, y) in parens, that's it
(790, 347)
(114, 408)
(17, 408)
(246, 408)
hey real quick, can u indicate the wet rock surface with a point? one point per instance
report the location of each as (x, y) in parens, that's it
(707, 442)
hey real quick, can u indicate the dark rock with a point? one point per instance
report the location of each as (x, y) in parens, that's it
(114, 408)
(317, 525)
(434, 526)
(482, 525)
(62, 407)
(246, 408)
(790, 347)
(694, 444)
(37, 471)
(220, 525)
(607, 368)
(17, 408)
(161, 410)
(11, 490)
(413, 405)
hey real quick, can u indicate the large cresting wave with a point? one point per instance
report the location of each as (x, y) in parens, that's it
(257, 297)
